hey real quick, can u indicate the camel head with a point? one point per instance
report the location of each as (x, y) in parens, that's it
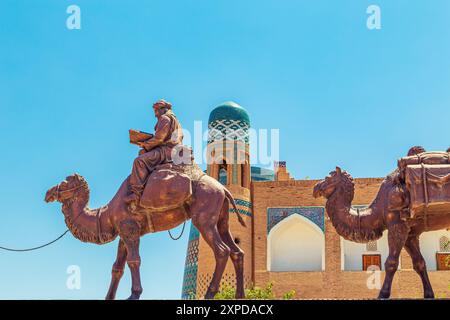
(328, 186)
(66, 189)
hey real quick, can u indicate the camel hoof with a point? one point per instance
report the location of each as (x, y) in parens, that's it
(134, 296)
(210, 295)
(384, 295)
(240, 295)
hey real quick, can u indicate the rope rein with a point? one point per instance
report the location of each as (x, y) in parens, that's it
(99, 212)
(182, 231)
(41, 246)
(58, 195)
(35, 248)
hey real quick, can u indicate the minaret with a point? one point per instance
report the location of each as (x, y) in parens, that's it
(228, 162)
(228, 145)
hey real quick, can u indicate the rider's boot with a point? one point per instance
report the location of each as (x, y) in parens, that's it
(132, 199)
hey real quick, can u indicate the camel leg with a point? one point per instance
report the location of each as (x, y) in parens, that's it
(237, 255)
(130, 233)
(397, 235)
(221, 251)
(419, 265)
(117, 270)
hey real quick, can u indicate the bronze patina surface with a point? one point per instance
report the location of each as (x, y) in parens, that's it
(195, 196)
(392, 210)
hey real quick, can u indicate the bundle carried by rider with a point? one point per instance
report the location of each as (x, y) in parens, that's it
(427, 179)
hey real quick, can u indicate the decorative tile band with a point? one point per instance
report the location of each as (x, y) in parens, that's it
(243, 203)
(190, 282)
(193, 233)
(245, 212)
(314, 214)
(228, 129)
(189, 289)
(244, 207)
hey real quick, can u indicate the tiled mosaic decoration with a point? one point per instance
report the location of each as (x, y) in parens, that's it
(243, 203)
(228, 279)
(244, 207)
(194, 233)
(314, 214)
(228, 129)
(444, 244)
(189, 289)
(262, 174)
(371, 246)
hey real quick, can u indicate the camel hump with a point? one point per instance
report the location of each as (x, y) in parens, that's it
(166, 189)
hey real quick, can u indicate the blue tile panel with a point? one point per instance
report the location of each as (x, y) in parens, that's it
(314, 214)
(189, 289)
(228, 130)
(244, 207)
(242, 211)
(194, 233)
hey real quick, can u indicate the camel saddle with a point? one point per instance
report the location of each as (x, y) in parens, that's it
(166, 189)
(429, 188)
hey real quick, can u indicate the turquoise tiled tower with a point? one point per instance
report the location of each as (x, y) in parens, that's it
(228, 162)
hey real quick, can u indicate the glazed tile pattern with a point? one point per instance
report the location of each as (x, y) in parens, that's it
(229, 130)
(189, 289)
(193, 233)
(314, 214)
(444, 244)
(244, 207)
(243, 203)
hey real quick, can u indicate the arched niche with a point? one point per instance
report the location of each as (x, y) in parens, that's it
(296, 244)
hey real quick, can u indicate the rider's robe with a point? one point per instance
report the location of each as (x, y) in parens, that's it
(168, 135)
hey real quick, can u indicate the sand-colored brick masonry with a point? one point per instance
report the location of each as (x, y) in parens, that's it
(332, 283)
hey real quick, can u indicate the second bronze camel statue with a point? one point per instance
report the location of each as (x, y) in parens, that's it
(367, 225)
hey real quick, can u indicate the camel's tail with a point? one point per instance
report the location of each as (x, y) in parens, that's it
(233, 203)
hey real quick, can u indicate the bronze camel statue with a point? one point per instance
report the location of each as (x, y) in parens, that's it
(369, 224)
(208, 211)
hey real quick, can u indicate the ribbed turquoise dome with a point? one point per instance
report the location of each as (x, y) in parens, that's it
(229, 111)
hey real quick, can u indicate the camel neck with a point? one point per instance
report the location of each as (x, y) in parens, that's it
(85, 224)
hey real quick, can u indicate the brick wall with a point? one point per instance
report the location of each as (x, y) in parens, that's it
(332, 283)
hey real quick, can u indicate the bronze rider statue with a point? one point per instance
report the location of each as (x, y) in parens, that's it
(155, 151)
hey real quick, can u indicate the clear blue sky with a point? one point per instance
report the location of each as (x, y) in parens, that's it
(339, 93)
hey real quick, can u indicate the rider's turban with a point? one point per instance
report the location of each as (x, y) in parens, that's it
(162, 104)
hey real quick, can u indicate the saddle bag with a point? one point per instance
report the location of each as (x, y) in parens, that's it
(429, 188)
(433, 157)
(166, 189)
